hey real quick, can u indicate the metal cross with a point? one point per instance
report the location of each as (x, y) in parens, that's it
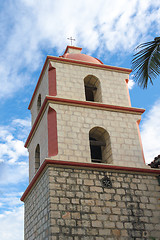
(71, 39)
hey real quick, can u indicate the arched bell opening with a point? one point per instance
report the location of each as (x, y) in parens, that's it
(92, 89)
(37, 158)
(100, 145)
(38, 103)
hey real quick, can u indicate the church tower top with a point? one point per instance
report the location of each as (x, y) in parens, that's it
(74, 53)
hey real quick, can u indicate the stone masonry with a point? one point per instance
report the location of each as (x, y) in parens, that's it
(71, 203)
(70, 81)
(73, 126)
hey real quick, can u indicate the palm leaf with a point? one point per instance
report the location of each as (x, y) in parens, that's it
(146, 62)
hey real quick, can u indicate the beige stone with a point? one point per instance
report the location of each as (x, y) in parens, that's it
(46, 213)
(116, 232)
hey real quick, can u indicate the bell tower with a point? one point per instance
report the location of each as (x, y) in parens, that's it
(84, 134)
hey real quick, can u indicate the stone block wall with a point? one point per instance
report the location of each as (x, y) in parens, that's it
(37, 210)
(73, 126)
(70, 81)
(75, 122)
(71, 203)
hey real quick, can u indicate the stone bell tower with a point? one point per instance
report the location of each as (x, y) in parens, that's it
(85, 155)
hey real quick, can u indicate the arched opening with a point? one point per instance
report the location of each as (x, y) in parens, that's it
(92, 89)
(37, 158)
(100, 145)
(38, 103)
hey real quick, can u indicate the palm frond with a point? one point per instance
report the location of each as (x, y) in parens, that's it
(146, 62)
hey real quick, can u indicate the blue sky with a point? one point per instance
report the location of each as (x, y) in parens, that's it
(31, 30)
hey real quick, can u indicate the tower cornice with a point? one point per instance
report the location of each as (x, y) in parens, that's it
(89, 64)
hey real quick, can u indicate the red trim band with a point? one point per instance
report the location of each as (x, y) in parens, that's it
(60, 59)
(85, 165)
(95, 104)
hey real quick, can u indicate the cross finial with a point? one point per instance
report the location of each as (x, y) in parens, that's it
(71, 39)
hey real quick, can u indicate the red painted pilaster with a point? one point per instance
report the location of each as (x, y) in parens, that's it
(52, 80)
(140, 140)
(129, 100)
(52, 133)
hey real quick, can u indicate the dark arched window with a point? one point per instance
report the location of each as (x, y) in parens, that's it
(100, 145)
(38, 103)
(37, 158)
(92, 89)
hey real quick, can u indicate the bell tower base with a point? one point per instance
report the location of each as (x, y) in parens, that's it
(70, 200)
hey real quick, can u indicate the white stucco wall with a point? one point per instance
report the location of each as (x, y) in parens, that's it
(40, 137)
(43, 90)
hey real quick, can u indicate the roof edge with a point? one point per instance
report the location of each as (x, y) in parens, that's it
(79, 62)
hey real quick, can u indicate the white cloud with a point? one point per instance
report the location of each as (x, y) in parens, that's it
(13, 173)
(36, 25)
(12, 224)
(131, 84)
(13, 154)
(10, 199)
(23, 126)
(150, 130)
(22, 122)
(11, 148)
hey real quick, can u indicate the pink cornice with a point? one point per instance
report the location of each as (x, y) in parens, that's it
(96, 105)
(60, 59)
